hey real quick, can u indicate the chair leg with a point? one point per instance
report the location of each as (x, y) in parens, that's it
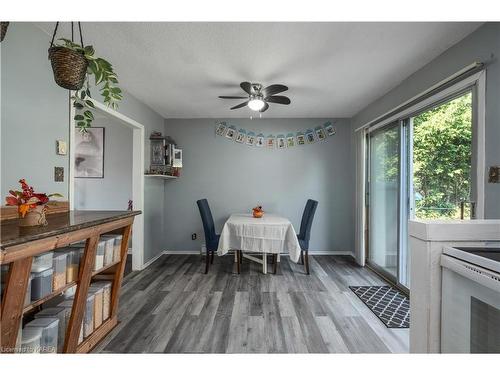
(306, 261)
(212, 260)
(301, 257)
(238, 263)
(241, 256)
(207, 261)
(275, 263)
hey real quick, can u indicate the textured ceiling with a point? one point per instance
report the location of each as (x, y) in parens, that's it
(332, 69)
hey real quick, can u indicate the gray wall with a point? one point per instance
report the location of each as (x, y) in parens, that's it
(114, 190)
(35, 114)
(235, 178)
(481, 45)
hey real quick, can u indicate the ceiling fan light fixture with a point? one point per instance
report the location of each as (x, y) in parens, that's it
(256, 104)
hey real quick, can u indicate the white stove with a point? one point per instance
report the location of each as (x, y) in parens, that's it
(470, 304)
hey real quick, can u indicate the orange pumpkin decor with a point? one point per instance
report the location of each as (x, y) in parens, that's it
(258, 212)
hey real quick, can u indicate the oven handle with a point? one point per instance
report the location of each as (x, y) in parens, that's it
(480, 275)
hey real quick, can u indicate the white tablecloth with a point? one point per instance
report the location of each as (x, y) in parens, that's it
(269, 234)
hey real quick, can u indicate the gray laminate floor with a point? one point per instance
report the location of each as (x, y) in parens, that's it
(173, 307)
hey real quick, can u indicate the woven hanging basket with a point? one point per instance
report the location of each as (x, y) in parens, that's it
(69, 67)
(3, 30)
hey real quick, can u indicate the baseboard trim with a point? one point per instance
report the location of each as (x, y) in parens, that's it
(152, 260)
(194, 252)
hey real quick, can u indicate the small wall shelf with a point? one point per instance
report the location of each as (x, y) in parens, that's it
(166, 177)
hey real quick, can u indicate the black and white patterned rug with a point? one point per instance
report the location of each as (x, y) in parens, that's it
(390, 305)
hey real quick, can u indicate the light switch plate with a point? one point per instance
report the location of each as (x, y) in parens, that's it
(59, 174)
(61, 147)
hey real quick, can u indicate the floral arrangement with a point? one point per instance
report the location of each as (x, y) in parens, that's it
(27, 199)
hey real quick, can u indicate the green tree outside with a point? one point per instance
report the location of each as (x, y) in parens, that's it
(442, 141)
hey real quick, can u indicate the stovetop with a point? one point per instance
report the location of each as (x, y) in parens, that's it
(492, 253)
(486, 257)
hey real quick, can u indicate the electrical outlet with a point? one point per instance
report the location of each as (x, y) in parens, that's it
(193, 236)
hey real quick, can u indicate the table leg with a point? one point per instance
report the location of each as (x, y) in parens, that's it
(264, 263)
(235, 256)
(279, 257)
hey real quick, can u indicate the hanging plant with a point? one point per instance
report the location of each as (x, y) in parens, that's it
(73, 64)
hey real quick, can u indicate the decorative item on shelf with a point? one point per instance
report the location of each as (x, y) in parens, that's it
(130, 206)
(3, 29)
(250, 138)
(31, 206)
(177, 159)
(72, 64)
(290, 140)
(257, 212)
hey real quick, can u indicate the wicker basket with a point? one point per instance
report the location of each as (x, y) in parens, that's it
(3, 30)
(69, 67)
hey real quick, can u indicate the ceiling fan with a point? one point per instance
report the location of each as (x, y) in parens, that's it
(259, 97)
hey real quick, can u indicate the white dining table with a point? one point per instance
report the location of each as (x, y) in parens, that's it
(270, 234)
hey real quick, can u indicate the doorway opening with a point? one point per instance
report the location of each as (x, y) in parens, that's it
(136, 165)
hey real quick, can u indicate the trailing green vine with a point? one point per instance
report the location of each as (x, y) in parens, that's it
(104, 76)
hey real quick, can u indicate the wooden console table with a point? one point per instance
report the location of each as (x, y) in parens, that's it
(19, 245)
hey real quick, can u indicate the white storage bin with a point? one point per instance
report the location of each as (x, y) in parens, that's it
(59, 268)
(106, 298)
(109, 241)
(42, 261)
(117, 248)
(98, 292)
(99, 256)
(60, 313)
(41, 283)
(88, 318)
(50, 331)
(68, 305)
(31, 340)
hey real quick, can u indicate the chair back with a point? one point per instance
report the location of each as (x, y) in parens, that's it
(307, 219)
(208, 224)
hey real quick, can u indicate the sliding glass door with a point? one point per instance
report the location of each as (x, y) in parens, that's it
(383, 201)
(419, 166)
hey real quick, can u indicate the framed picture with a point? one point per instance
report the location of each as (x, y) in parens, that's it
(270, 142)
(290, 141)
(221, 129)
(281, 142)
(330, 130)
(89, 153)
(301, 139)
(320, 133)
(310, 137)
(240, 138)
(177, 160)
(231, 133)
(259, 140)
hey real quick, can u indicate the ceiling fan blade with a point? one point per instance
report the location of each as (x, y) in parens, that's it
(278, 99)
(247, 87)
(233, 97)
(273, 89)
(266, 106)
(240, 105)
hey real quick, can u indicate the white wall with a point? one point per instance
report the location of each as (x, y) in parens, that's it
(114, 190)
